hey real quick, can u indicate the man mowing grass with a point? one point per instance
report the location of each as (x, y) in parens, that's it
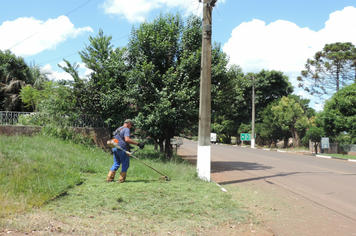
(122, 136)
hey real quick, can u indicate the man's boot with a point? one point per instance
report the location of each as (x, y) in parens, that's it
(122, 177)
(111, 176)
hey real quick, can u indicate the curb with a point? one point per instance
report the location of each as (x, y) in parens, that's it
(327, 157)
(323, 156)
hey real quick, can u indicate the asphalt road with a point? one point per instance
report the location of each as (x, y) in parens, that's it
(314, 196)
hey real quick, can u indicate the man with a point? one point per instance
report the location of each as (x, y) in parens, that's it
(122, 134)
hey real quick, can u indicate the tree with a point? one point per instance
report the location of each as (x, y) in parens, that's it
(329, 70)
(314, 134)
(15, 75)
(55, 105)
(224, 105)
(268, 130)
(290, 116)
(37, 76)
(339, 115)
(32, 96)
(269, 86)
(104, 91)
(164, 78)
(13, 72)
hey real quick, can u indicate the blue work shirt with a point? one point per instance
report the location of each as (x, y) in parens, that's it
(120, 135)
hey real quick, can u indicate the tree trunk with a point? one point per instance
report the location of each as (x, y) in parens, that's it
(295, 136)
(316, 147)
(168, 152)
(168, 149)
(337, 79)
(161, 147)
(296, 140)
(286, 142)
(156, 145)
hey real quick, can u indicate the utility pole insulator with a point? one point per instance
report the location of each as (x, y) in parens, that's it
(212, 3)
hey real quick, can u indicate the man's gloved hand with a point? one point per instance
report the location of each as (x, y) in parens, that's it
(141, 145)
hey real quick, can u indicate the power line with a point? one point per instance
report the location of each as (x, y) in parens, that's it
(78, 8)
(58, 58)
(77, 52)
(58, 19)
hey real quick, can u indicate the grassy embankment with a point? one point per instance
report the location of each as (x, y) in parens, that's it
(47, 184)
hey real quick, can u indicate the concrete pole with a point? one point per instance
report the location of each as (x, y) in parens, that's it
(253, 113)
(204, 146)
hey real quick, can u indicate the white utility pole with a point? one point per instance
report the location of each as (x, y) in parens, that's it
(253, 113)
(204, 146)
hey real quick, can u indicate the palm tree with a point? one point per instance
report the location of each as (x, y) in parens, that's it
(37, 76)
(14, 75)
(12, 92)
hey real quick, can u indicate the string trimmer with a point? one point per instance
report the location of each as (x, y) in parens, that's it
(111, 143)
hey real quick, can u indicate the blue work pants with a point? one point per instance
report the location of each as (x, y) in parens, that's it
(120, 158)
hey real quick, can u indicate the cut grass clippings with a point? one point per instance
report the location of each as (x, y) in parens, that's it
(50, 185)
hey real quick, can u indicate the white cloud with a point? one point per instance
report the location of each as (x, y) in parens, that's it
(319, 107)
(304, 94)
(281, 45)
(55, 76)
(284, 46)
(138, 10)
(84, 72)
(29, 36)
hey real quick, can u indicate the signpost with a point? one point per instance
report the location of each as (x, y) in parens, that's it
(245, 137)
(325, 143)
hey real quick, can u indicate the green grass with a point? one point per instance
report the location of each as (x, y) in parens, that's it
(340, 156)
(45, 180)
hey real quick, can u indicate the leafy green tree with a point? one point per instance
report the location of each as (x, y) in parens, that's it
(289, 114)
(164, 78)
(31, 96)
(104, 91)
(269, 86)
(329, 70)
(268, 130)
(314, 134)
(224, 104)
(339, 115)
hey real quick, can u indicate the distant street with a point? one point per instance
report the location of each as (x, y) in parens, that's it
(312, 195)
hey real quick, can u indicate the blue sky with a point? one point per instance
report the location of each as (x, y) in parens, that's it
(256, 34)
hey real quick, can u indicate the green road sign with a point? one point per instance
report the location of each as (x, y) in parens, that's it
(245, 137)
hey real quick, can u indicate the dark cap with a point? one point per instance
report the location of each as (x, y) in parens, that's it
(129, 121)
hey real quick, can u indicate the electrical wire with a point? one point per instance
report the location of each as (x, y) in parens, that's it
(77, 52)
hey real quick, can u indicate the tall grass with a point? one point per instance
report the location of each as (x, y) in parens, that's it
(34, 170)
(37, 169)
(66, 180)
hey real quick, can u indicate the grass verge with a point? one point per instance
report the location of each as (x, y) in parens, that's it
(49, 185)
(341, 156)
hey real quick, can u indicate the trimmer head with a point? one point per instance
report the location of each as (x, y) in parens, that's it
(165, 177)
